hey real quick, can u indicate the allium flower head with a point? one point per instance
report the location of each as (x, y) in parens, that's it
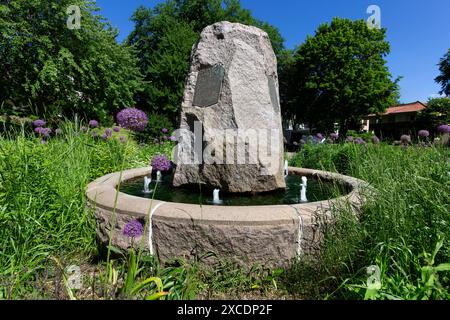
(133, 229)
(116, 129)
(45, 132)
(122, 139)
(375, 140)
(132, 119)
(108, 132)
(424, 133)
(319, 136)
(39, 123)
(105, 136)
(360, 140)
(349, 139)
(38, 130)
(334, 136)
(161, 163)
(405, 139)
(165, 130)
(173, 138)
(93, 123)
(443, 129)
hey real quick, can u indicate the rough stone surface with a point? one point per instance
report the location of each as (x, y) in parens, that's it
(266, 235)
(233, 85)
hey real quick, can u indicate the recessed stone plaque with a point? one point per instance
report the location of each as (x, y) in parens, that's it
(273, 94)
(209, 85)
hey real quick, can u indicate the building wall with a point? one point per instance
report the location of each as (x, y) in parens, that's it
(392, 126)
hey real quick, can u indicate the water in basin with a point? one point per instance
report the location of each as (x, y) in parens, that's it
(316, 191)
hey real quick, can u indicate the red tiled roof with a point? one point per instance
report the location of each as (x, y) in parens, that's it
(404, 108)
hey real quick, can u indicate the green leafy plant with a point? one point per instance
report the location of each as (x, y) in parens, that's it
(132, 287)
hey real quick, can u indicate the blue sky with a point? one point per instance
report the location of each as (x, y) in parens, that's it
(418, 30)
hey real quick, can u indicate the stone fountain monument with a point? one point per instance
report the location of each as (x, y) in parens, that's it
(230, 135)
(230, 115)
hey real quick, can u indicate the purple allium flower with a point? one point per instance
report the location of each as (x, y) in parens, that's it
(349, 139)
(334, 136)
(108, 132)
(165, 130)
(105, 136)
(443, 129)
(116, 129)
(133, 229)
(165, 137)
(424, 133)
(405, 139)
(319, 136)
(375, 140)
(84, 129)
(360, 140)
(45, 132)
(122, 139)
(132, 119)
(93, 123)
(58, 131)
(38, 130)
(173, 138)
(161, 163)
(39, 123)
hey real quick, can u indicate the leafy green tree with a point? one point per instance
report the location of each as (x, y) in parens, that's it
(163, 37)
(340, 75)
(48, 69)
(436, 113)
(286, 74)
(444, 78)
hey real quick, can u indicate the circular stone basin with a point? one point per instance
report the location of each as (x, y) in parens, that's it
(317, 190)
(247, 234)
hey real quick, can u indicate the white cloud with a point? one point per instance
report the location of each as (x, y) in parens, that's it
(436, 95)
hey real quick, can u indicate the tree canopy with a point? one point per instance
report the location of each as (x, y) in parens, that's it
(339, 75)
(48, 69)
(444, 78)
(436, 113)
(163, 37)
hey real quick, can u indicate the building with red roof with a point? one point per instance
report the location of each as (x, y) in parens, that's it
(397, 120)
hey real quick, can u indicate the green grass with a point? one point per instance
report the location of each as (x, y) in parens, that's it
(404, 230)
(397, 231)
(42, 200)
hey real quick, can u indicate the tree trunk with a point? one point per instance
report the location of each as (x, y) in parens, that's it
(343, 129)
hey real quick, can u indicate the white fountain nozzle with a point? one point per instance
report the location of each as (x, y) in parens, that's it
(286, 168)
(303, 190)
(158, 176)
(147, 182)
(216, 198)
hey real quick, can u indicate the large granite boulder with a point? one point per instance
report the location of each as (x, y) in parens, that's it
(230, 134)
